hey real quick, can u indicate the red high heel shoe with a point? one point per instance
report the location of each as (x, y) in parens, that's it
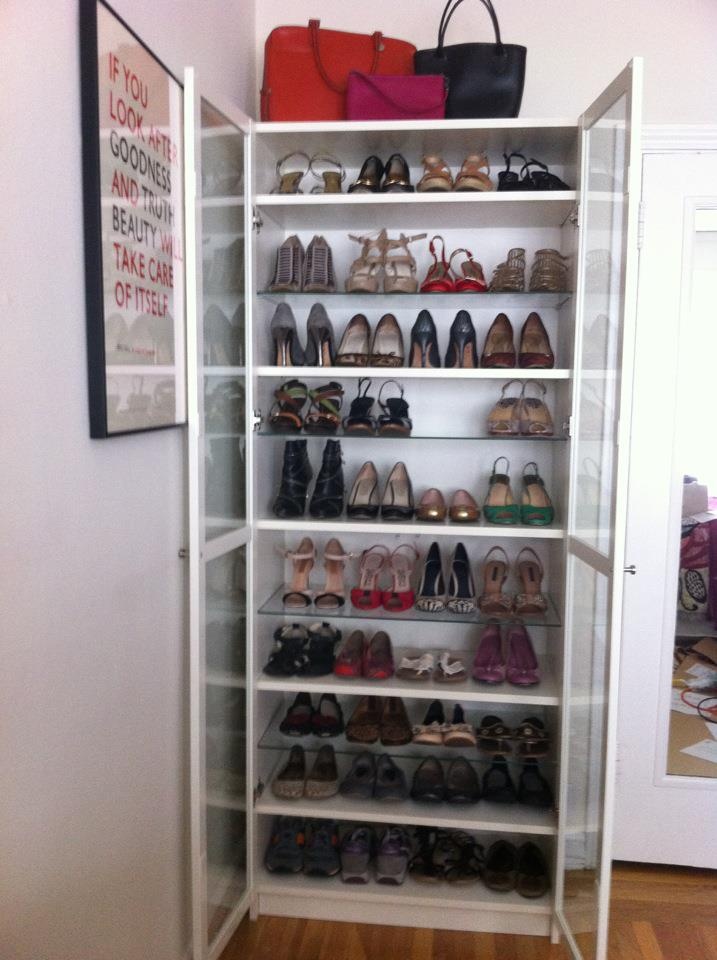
(367, 596)
(401, 595)
(438, 279)
(472, 279)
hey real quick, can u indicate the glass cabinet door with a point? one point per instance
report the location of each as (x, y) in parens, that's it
(596, 523)
(219, 528)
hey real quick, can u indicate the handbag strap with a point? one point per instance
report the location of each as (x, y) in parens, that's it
(448, 12)
(401, 107)
(378, 46)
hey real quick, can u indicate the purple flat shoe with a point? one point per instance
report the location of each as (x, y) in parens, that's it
(488, 665)
(522, 668)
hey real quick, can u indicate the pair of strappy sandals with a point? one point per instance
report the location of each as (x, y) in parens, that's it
(383, 258)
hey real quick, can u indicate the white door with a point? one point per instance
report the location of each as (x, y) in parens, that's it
(609, 185)
(216, 147)
(674, 403)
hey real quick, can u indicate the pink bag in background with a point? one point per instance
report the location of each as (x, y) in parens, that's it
(385, 97)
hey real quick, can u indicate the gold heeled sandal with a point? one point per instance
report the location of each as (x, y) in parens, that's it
(400, 270)
(288, 175)
(365, 272)
(330, 177)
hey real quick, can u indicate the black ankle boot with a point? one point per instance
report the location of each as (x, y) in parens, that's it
(327, 500)
(295, 476)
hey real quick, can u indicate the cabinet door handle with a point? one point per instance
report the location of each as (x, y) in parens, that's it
(630, 569)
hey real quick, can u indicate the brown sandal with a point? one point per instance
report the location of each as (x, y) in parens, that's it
(472, 176)
(437, 176)
(325, 417)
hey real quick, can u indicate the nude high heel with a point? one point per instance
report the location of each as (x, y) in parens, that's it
(333, 596)
(397, 500)
(366, 271)
(298, 593)
(400, 270)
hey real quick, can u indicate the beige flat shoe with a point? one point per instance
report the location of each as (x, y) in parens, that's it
(463, 508)
(431, 507)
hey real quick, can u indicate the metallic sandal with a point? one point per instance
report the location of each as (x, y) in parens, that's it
(331, 176)
(289, 267)
(318, 275)
(549, 272)
(510, 276)
(400, 270)
(288, 175)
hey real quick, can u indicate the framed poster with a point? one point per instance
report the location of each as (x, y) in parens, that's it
(133, 180)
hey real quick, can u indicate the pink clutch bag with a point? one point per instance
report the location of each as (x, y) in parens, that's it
(384, 97)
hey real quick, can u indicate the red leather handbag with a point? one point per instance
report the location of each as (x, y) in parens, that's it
(306, 69)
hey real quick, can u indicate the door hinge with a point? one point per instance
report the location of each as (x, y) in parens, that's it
(258, 790)
(568, 426)
(630, 568)
(640, 224)
(256, 420)
(256, 220)
(183, 553)
(574, 215)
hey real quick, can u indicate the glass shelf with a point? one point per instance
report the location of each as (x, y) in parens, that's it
(274, 607)
(274, 739)
(467, 301)
(286, 435)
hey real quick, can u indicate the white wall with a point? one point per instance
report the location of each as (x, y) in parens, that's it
(575, 47)
(92, 679)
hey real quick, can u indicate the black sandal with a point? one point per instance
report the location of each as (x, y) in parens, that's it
(466, 863)
(540, 179)
(508, 179)
(290, 398)
(325, 405)
(394, 421)
(360, 419)
(533, 789)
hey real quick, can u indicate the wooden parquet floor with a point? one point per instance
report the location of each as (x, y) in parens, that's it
(658, 913)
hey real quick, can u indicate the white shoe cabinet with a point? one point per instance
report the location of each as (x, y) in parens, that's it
(238, 570)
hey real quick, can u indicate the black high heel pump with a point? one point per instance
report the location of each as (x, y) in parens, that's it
(288, 351)
(424, 342)
(462, 349)
(319, 338)
(431, 596)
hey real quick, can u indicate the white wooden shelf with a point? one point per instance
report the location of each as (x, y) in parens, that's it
(459, 531)
(544, 694)
(409, 373)
(222, 678)
(511, 818)
(526, 300)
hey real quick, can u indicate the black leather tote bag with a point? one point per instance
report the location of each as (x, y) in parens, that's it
(484, 79)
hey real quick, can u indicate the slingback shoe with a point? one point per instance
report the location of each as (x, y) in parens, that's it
(530, 570)
(394, 421)
(360, 419)
(397, 500)
(431, 595)
(333, 596)
(424, 343)
(438, 279)
(319, 338)
(354, 347)
(400, 563)
(499, 506)
(298, 594)
(461, 589)
(462, 351)
(288, 351)
(367, 595)
(536, 508)
(504, 418)
(327, 500)
(533, 413)
(296, 472)
(508, 179)
(364, 501)
(493, 601)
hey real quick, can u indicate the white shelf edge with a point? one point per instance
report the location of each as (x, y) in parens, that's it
(222, 678)
(458, 531)
(411, 199)
(406, 373)
(356, 126)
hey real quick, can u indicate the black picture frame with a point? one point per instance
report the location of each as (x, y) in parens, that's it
(136, 136)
